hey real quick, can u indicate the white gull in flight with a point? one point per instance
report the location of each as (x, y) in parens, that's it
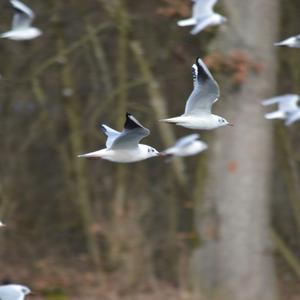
(186, 146)
(287, 108)
(202, 16)
(197, 114)
(124, 146)
(21, 24)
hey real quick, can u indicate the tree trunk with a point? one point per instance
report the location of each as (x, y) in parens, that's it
(240, 167)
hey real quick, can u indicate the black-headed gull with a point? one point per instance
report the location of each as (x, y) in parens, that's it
(124, 146)
(21, 24)
(197, 114)
(293, 42)
(13, 292)
(287, 108)
(202, 16)
(186, 146)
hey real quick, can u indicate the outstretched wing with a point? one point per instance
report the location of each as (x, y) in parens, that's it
(131, 135)
(111, 134)
(292, 118)
(23, 16)
(286, 103)
(186, 140)
(205, 93)
(202, 24)
(202, 8)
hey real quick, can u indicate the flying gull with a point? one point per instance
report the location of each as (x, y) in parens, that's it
(287, 108)
(124, 146)
(21, 24)
(197, 114)
(186, 146)
(202, 16)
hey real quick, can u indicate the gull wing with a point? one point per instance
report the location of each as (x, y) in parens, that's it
(131, 135)
(186, 140)
(202, 8)
(23, 16)
(111, 134)
(205, 93)
(292, 118)
(202, 24)
(286, 103)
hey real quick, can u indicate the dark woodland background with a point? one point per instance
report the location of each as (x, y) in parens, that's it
(221, 225)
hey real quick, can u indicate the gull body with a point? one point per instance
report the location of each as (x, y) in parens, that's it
(288, 108)
(186, 146)
(197, 114)
(13, 292)
(202, 16)
(21, 24)
(124, 147)
(292, 42)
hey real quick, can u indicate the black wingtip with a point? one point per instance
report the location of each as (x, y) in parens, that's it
(201, 71)
(131, 122)
(102, 127)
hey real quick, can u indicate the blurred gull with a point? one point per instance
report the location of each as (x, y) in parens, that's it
(2, 225)
(293, 42)
(124, 146)
(197, 114)
(13, 292)
(202, 16)
(287, 108)
(186, 146)
(21, 24)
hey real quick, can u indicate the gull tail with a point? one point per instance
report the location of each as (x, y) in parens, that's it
(171, 120)
(187, 22)
(275, 115)
(280, 44)
(95, 154)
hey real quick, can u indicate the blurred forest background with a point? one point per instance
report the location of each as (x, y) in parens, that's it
(221, 225)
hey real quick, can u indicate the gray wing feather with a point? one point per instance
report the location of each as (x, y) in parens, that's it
(131, 135)
(286, 103)
(292, 118)
(203, 7)
(186, 140)
(205, 93)
(129, 139)
(110, 133)
(23, 16)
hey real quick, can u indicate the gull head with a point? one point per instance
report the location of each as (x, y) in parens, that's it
(151, 152)
(24, 290)
(223, 122)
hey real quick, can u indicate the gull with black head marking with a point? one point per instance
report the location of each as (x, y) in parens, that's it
(197, 114)
(21, 24)
(202, 16)
(292, 42)
(13, 292)
(186, 146)
(124, 147)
